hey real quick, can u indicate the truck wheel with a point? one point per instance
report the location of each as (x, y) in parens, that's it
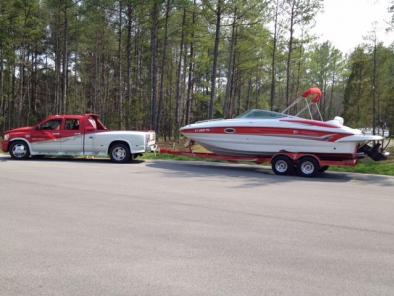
(282, 165)
(120, 153)
(19, 150)
(308, 167)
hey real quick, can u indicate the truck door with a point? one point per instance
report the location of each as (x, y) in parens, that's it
(45, 138)
(71, 137)
(91, 146)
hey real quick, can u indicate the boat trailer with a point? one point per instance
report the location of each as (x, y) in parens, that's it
(283, 163)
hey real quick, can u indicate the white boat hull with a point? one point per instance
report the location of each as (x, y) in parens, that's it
(268, 145)
(269, 136)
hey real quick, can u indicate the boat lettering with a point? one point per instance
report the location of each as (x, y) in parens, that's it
(202, 130)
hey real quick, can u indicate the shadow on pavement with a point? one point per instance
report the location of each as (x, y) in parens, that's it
(5, 158)
(254, 175)
(258, 175)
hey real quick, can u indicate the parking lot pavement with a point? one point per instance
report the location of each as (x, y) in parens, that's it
(90, 227)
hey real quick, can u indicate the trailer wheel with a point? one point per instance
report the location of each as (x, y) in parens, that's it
(19, 150)
(308, 167)
(282, 165)
(120, 152)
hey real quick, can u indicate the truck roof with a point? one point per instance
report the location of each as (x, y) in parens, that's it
(78, 116)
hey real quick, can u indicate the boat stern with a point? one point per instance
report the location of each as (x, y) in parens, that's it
(370, 145)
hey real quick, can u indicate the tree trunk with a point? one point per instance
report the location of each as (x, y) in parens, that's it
(21, 86)
(183, 84)
(234, 76)
(230, 70)
(290, 50)
(299, 68)
(128, 56)
(332, 92)
(13, 98)
(374, 89)
(273, 63)
(153, 68)
(163, 66)
(65, 59)
(215, 60)
(239, 90)
(190, 81)
(249, 94)
(120, 86)
(178, 76)
(58, 85)
(256, 101)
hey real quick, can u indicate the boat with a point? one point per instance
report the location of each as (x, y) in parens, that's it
(263, 133)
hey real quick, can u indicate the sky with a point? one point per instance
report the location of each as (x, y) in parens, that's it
(345, 22)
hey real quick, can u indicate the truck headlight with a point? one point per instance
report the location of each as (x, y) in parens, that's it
(6, 137)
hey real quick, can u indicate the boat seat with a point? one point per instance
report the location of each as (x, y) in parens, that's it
(337, 120)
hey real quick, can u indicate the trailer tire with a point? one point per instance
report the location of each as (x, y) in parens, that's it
(282, 165)
(308, 167)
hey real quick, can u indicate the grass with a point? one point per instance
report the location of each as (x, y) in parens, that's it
(368, 166)
(150, 156)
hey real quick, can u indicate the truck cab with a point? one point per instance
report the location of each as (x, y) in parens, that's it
(76, 135)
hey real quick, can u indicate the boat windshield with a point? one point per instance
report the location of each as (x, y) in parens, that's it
(261, 114)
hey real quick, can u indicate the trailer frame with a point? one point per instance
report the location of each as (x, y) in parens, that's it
(296, 159)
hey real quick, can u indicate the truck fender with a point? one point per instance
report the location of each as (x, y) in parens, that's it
(23, 140)
(120, 141)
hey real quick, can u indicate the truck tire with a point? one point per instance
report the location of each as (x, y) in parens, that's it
(19, 150)
(308, 167)
(120, 153)
(282, 165)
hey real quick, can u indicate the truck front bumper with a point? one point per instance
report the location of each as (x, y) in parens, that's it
(4, 146)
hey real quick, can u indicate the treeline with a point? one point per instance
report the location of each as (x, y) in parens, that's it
(162, 64)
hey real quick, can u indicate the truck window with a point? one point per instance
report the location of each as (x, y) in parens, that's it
(71, 124)
(93, 122)
(96, 123)
(51, 125)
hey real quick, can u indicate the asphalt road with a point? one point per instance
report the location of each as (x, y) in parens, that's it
(88, 227)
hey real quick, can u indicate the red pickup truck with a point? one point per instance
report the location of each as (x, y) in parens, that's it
(76, 135)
